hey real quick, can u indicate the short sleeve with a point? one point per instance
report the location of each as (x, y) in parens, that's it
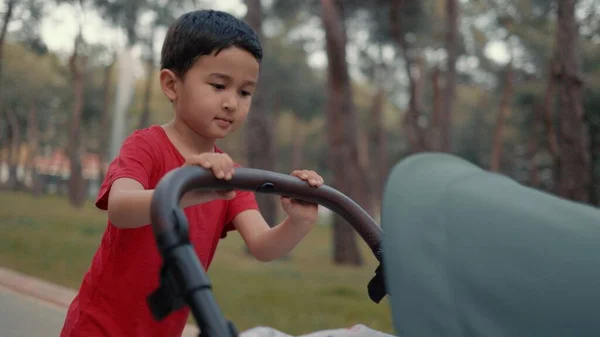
(243, 201)
(135, 161)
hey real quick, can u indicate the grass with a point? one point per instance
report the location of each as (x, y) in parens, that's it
(46, 238)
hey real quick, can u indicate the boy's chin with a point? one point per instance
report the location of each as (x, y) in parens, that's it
(220, 134)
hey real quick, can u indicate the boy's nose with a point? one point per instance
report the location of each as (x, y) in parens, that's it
(230, 103)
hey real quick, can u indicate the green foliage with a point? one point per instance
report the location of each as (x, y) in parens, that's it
(292, 33)
(122, 13)
(292, 84)
(29, 14)
(33, 80)
(127, 14)
(292, 10)
(298, 296)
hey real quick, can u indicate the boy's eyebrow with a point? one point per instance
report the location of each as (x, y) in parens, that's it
(227, 77)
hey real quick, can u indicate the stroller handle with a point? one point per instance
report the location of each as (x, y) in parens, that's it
(179, 181)
(183, 280)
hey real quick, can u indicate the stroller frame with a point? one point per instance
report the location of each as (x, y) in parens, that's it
(183, 280)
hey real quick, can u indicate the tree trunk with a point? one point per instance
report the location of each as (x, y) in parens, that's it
(105, 122)
(574, 176)
(260, 143)
(145, 117)
(380, 136)
(365, 161)
(378, 141)
(14, 150)
(434, 131)
(549, 119)
(595, 159)
(544, 120)
(5, 21)
(32, 150)
(532, 147)
(452, 9)
(76, 190)
(503, 111)
(298, 139)
(415, 133)
(343, 131)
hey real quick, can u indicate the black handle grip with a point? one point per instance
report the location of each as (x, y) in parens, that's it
(176, 183)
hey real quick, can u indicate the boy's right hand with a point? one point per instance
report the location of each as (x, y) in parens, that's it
(222, 167)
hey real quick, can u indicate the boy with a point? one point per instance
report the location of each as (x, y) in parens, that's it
(210, 66)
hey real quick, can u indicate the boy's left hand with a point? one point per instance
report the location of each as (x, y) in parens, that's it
(302, 212)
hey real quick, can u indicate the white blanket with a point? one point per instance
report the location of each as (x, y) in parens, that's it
(358, 330)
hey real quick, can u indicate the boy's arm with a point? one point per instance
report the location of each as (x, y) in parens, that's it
(129, 203)
(267, 243)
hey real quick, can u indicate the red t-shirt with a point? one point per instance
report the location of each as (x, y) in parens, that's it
(125, 269)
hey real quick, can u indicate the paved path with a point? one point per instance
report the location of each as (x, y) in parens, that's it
(30, 307)
(24, 316)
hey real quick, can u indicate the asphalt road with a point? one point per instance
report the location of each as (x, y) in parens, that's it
(22, 316)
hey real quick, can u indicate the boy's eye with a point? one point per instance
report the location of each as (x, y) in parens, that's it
(246, 93)
(218, 86)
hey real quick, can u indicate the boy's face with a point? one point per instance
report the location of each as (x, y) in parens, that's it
(214, 97)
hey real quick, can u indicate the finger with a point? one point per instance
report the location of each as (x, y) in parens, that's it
(297, 173)
(315, 179)
(225, 168)
(229, 195)
(230, 167)
(198, 160)
(205, 163)
(303, 174)
(218, 171)
(304, 203)
(229, 161)
(319, 179)
(300, 202)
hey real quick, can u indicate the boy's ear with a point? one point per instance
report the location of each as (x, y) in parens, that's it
(168, 84)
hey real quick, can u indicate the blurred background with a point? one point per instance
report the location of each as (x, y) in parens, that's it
(348, 88)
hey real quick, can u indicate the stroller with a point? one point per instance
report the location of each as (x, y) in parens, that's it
(465, 252)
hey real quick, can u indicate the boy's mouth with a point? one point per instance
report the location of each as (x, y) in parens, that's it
(223, 122)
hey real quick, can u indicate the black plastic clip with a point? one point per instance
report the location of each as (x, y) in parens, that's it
(376, 287)
(166, 298)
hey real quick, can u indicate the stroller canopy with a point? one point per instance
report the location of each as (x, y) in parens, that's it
(472, 253)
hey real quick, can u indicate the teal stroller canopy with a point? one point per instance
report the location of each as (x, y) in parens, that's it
(472, 253)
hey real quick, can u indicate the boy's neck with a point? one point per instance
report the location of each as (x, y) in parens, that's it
(186, 140)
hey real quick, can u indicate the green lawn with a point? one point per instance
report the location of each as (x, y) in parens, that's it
(304, 294)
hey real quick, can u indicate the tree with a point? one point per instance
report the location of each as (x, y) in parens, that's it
(259, 132)
(452, 9)
(13, 130)
(163, 14)
(77, 64)
(342, 130)
(574, 168)
(19, 100)
(399, 26)
(503, 111)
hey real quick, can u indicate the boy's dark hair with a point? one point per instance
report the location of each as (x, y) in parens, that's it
(203, 32)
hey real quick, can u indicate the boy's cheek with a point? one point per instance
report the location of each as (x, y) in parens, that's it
(241, 119)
